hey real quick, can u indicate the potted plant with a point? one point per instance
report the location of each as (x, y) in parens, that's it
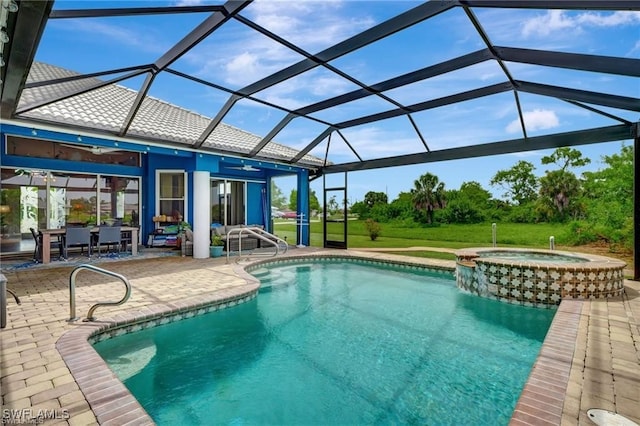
(215, 250)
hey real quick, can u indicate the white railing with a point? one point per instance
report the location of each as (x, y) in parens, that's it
(72, 291)
(262, 235)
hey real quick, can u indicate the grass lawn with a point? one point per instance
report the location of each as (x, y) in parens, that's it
(455, 236)
(445, 236)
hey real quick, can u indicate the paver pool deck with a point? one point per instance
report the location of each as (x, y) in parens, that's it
(589, 359)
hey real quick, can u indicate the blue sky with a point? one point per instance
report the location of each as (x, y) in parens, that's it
(236, 56)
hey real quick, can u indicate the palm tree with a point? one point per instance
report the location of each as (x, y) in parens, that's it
(428, 195)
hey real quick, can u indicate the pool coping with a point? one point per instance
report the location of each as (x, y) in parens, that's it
(110, 400)
(543, 399)
(588, 260)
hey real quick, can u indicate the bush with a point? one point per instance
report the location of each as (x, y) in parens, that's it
(373, 228)
(361, 209)
(579, 232)
(523, 213)
(462, 210)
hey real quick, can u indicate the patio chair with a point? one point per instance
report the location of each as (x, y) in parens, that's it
(77, 237)
(109, 236)
(37, 251)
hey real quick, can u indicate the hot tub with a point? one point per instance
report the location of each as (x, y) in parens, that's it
(537, 277)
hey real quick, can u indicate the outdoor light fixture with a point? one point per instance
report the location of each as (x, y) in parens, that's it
(4, 37)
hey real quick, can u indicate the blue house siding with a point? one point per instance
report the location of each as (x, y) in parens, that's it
(255, 204)
(153, 158)
(152, 163)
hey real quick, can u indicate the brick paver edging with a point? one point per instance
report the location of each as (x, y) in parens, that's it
(542, 399)
(110, 400)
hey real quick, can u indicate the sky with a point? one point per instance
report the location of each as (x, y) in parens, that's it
(236, 56)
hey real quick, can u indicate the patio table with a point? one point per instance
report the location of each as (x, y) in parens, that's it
(47, 233)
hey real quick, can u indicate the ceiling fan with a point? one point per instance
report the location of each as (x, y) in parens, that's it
(245, 168)
(95, 150)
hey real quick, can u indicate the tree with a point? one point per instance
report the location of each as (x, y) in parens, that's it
(372, 198)
(360, 208)
(566, 157)
(561, 188)
(314, 204)
(428, 194)
(519, 182)
(475, 193)
(332, 205)
(277, 197)
(608, 195)
(467, 205)
(293, 200)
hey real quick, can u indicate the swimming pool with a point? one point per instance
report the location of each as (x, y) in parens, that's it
(337, 342)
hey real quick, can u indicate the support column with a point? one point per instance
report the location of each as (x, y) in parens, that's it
(303, 232)
(636, 203)
(201, 221)
(267, 204)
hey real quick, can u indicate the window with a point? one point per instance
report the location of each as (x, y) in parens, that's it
(119, 200)
(42, 199)
(171, 190)
(28, 147)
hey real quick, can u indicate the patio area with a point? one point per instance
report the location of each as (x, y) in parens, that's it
(590, 358)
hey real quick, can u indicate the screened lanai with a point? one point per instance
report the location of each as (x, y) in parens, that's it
(332, 87)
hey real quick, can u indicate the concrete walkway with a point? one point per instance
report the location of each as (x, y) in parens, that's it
(590, 359)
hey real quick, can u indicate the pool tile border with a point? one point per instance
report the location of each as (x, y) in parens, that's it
(110, 400)
(442, 270)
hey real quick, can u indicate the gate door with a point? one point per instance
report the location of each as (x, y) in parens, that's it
(335, 218)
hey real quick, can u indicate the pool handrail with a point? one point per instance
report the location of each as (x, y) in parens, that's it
(260, 234)
(72, 291)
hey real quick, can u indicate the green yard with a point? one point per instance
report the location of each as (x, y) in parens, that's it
(445, 236)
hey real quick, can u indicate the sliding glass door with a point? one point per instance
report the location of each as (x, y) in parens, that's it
(228, 202)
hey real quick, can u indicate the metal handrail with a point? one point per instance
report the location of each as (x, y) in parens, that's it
(72, 291)
(259, 233)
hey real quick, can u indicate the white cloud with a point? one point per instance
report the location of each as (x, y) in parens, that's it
(536, 119)
(189, 2)
(555, 21)
(369, 142)
(612, 20)
(240, 56)
(241, 68)
(292, 22)
(552, 21)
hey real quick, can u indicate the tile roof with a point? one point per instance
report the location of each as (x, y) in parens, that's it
(106, 109)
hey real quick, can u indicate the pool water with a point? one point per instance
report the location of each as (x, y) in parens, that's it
(337, 343)
(532, 256)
